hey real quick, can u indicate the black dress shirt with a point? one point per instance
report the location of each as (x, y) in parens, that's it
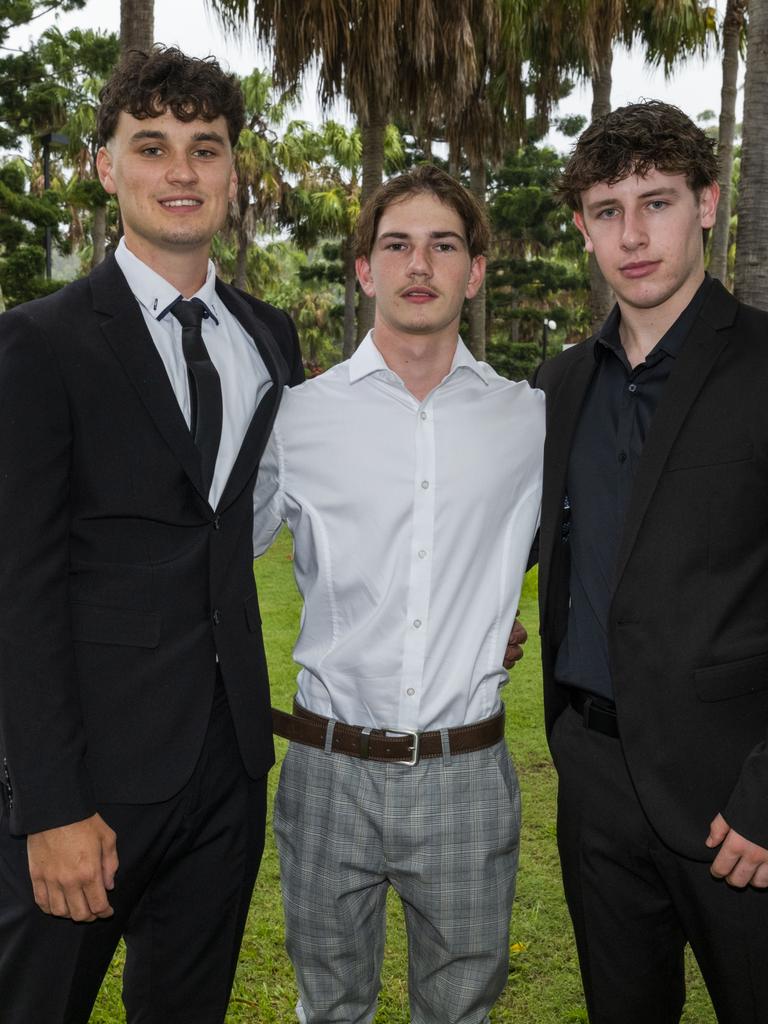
(607, 446)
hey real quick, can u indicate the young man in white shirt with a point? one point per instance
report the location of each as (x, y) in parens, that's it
(410, 477)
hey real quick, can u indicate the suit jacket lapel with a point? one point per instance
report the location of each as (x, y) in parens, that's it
(697, 358)
(564, 409)
(126, 332)
(261, 423)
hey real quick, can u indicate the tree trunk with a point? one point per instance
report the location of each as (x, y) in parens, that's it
(137, 25)
(600, 294)
(350, 292)
(478, 181)
(98, 235)
(454, 160)
(372, 126)
(752, 237)
(732, 26)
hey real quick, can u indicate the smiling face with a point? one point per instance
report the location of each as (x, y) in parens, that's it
(646, 234)
(419, 269)
(173, 179)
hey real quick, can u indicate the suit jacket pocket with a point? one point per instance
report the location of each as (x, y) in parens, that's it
(734, 679)
(95, 624)
(252, 613)
(709, 453)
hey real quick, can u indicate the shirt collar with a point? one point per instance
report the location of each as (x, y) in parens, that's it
(367, 360)
(671, 342)
(156, 294)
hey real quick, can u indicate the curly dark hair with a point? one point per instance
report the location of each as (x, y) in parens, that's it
(425, 178)
(146, 84)
(634, 140)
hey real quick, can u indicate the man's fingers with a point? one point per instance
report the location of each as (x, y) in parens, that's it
(95, 898)
(109, 864)
(718, 830)
(40, 891)
(519, 633)
(517, 638)
(512, 655)
(760, 877)
(723, 864)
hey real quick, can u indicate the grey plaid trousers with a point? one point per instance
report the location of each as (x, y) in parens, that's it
(444, 833)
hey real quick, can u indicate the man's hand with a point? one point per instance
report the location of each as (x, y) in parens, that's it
(517, 638)
(72, 867)
(738, 861)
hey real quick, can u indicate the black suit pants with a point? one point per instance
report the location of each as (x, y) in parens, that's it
(635, 903)
(182, 892)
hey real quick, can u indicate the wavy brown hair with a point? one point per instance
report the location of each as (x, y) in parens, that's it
(146, 84)
(634, 140)
(425, 178)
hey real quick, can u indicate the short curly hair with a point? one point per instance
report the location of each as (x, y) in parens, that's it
(423, 179)
(146, 84)
(634, 140)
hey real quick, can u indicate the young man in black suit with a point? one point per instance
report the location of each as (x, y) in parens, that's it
(135, 728)
(654, 589)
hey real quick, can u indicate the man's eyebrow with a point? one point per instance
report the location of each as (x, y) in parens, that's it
(155, 134)
(432, 234)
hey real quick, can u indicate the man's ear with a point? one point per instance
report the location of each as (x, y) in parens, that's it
(364, 276)
(708, 200)
(578, 220)
(476, 276)
(104, 170)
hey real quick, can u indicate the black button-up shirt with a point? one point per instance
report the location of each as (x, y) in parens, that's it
(607, 446)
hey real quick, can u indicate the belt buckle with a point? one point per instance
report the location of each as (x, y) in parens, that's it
(416, 737)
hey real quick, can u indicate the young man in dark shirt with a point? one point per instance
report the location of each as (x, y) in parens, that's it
(654, 589)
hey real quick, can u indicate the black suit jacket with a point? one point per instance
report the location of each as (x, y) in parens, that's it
(688, 625)
(119, 584)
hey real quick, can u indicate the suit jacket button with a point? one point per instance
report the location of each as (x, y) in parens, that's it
(217, 522)
(216, 616)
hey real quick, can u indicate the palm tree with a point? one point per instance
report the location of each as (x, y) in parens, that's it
(263, 158)
(325, 203)
(580, 35)
(733, 34)
(752, 238)
(137, 25)
(383, 56)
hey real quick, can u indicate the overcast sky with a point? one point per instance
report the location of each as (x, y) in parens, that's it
(695, 87)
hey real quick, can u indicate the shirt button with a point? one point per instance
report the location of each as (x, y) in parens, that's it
(632, 388)
(417, 623)
(423, 415)
(622, 456)
(216, 616)
(422, 553)
(425, 484)
(410, 691)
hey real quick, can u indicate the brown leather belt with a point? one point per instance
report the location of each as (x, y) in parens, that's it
(406, 747)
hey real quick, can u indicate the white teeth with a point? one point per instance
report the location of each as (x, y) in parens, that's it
(181, 202)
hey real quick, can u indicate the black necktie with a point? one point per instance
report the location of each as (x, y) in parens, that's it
(204, 385)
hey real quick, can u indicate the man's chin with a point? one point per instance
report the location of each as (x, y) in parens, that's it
(184, 239)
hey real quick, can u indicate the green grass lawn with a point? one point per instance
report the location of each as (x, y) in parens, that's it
(544, 983)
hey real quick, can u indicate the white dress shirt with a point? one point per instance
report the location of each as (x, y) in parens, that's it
(243, 375)
(412, 524)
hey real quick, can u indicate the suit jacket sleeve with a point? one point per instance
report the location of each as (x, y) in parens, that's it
(293, 356)
(41, 732)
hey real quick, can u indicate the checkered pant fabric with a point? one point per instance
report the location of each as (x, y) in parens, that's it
(444, 833)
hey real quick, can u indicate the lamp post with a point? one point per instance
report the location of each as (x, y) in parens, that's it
(549, 325)
(48, 140)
